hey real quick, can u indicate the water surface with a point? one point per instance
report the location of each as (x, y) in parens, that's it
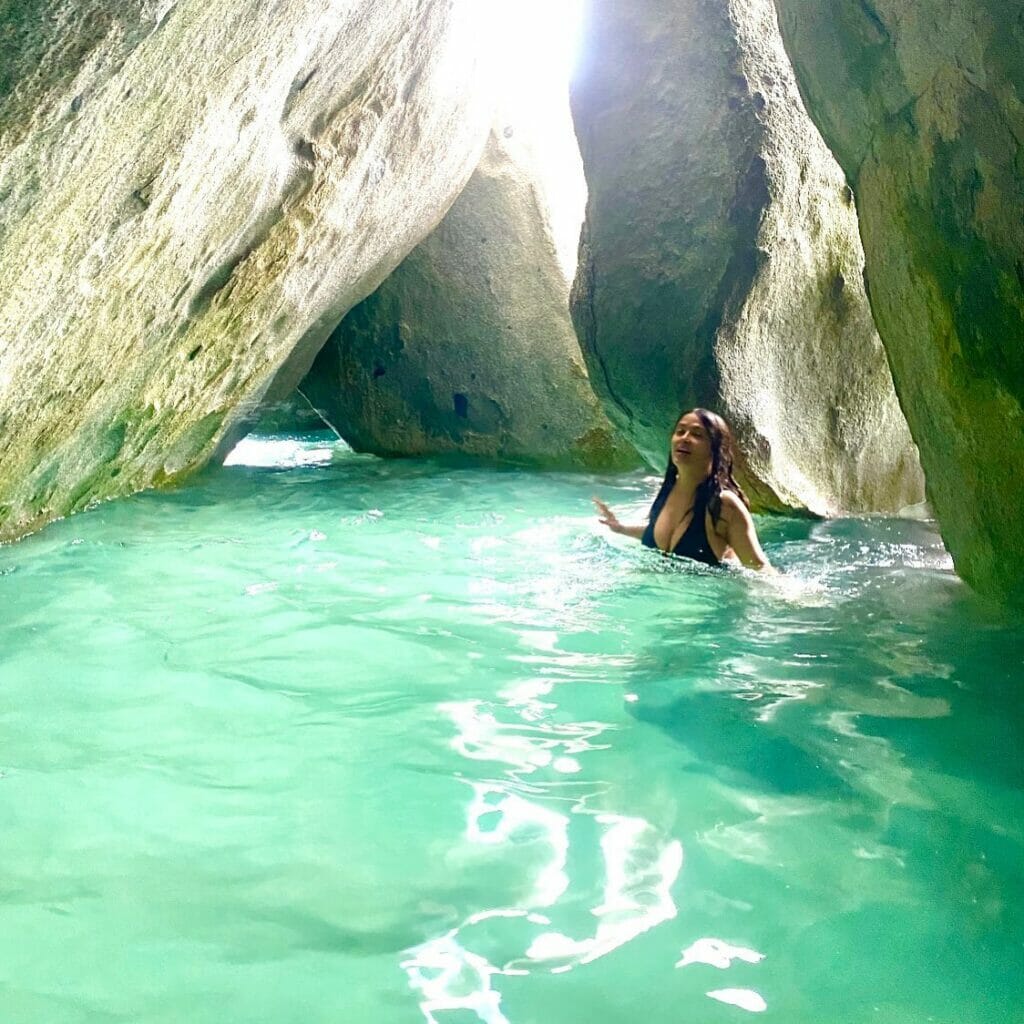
(324, 738)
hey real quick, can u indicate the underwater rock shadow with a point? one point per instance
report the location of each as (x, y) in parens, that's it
(727, 741)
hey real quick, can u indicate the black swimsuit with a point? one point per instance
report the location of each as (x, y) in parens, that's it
(694, 541)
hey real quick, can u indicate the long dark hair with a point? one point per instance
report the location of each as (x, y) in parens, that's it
(721, 476)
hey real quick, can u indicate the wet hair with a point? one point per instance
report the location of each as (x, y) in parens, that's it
(721, 476)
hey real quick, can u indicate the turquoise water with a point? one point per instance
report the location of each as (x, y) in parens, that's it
(332, 739)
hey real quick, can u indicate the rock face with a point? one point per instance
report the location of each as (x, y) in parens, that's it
(190, 200)
(720, 262)
(924, 107)
(468, 346)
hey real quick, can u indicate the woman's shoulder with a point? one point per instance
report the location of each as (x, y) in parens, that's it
(733, 506)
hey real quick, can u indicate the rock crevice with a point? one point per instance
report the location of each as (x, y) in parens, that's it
(468, 346)
(928, 131)
(718, 231)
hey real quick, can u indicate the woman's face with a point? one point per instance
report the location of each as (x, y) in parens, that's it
(691, 445)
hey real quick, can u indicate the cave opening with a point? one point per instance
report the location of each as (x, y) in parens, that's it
(381, 365)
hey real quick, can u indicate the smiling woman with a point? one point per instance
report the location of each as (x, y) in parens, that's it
(700, 511)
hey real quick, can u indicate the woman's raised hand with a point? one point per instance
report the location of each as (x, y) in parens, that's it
(606, 516)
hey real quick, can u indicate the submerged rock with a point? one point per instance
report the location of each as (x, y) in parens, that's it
(720, 262)
(190, 200)
(924, 107)
(469, 346)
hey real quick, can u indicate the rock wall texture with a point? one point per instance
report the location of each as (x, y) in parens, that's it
(720, 263)
(468, 346)
(191, 197)
(924, 106)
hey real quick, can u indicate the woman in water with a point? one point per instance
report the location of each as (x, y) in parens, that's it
(700, 511)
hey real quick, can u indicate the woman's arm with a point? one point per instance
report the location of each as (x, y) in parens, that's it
(742, 535)
(609, 519)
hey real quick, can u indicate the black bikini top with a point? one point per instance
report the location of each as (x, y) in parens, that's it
(694, 541)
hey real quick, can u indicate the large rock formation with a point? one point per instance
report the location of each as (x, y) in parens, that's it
(191, 197)
(924, 106)
(468, 346)
(721, 265)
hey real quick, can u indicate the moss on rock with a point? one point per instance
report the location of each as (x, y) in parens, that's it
(192, 198)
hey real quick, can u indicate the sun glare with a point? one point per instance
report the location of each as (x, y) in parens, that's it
(542, 41)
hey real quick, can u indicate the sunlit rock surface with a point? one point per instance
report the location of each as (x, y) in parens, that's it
(924, 106)
(721, 264)
(191, 197)
(469, 346)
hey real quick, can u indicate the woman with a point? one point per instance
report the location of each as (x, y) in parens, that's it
(700, 511)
